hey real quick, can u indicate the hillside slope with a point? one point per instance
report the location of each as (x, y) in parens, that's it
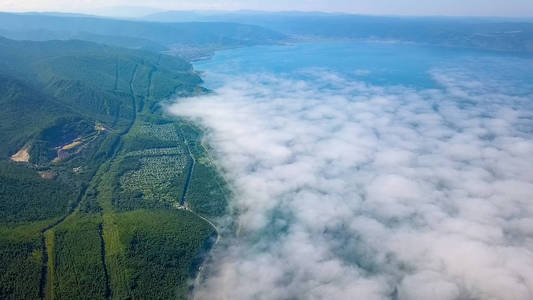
(91, 174)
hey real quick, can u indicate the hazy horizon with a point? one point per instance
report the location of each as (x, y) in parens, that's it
(134, 13)
(119, 8)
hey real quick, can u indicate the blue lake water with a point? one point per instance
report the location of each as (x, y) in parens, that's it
(377, 63)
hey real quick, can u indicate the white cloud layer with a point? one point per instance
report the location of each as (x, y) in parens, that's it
(351, 191)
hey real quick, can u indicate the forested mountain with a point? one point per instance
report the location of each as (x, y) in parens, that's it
(47, 81)
(482, 33)
(131, 34)
(93, 178)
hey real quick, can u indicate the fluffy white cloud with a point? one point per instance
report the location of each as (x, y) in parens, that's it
(349, 190)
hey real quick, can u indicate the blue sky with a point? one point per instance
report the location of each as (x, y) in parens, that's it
(513, 8)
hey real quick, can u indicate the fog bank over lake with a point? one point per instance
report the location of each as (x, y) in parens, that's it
(375, 170)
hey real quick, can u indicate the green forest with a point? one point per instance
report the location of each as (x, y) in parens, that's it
(101, 195)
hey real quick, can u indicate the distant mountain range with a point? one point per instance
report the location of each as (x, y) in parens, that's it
(500, 34)
(194, 34)
(145, 35)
